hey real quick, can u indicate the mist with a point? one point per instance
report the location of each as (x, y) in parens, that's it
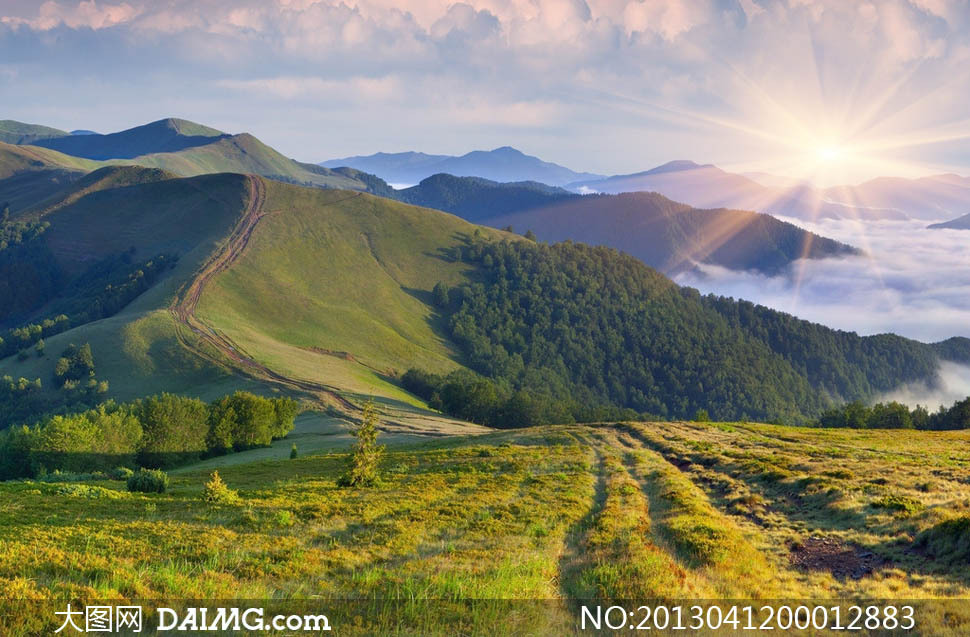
(911, 281)
(953, 384)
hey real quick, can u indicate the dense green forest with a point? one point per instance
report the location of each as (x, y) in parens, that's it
(583, 326)
(157, 432)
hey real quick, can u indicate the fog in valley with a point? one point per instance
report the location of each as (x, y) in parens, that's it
(911, 281)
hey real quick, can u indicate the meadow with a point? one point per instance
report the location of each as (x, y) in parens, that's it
(669, 511)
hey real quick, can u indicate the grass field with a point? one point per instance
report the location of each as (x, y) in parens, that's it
(336, 287)
(658, 511)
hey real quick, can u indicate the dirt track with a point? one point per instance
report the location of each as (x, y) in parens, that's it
(187, 300)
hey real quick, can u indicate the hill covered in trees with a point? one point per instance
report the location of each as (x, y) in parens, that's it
(577, 327)
(664, 234)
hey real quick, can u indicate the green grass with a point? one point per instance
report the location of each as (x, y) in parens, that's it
(336, 287)
(241, 154)
(558, 513)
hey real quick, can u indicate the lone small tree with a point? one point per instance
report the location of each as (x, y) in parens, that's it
(366, 454)
(293, 452)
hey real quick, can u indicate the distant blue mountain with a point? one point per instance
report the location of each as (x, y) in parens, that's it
(505, 164)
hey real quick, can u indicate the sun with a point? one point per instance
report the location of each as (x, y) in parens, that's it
(829, 153)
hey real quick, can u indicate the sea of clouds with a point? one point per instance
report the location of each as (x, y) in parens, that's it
(911, 281)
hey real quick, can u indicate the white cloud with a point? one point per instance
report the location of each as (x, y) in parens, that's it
(913, 281)
(86, 14)
(952, 384)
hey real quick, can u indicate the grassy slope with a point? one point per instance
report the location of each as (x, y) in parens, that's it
(309, 298)
(343, 273)
(243, 154)
(551, 513)
(136, 350)
(30, 174)
(13, 132)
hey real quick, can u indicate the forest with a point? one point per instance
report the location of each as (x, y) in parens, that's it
(580, 326)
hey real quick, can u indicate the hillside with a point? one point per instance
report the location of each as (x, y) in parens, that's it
(961, 223)
(565, 515)
(478, 200)
(12, 132)
(334, 294)
(662, 233)
(707, 186)
(163, 136)
(30, 174)
(188, 149)
(503, 164)
(340, 338)
(570, 328)
(245, 154)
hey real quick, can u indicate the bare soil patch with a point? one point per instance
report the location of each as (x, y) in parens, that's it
(840, 558)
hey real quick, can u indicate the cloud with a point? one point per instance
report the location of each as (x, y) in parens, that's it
(913, 281)
(644, 81)
(952, 384)
(86, 14)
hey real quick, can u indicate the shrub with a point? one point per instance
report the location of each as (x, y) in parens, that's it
(900, 504)
(120, 473)
(949, 540)
(217, 492)
(148, 481)
(293, 452)
(87, 491)
(702, 416)
(366, 454)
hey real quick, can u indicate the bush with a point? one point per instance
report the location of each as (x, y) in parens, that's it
(293, 452)
(216, 491)
(148, 481)
(120, 473)
(366, 456)
(900, 504)
(949, 540)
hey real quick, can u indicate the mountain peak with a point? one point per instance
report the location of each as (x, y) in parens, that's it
(678, 165)
(507, 150)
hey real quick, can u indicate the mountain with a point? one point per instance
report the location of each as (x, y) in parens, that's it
(707, 186)
(961, 223)
(476, 199)
(30, 174)
(207, 284)
(662, 233)
(503, 164)
(12, 132)
(187, 149)
(927, 198)
(163, 136)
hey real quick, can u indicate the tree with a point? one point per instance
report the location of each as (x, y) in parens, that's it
(366, 454)
(293, 452)
(702, 416)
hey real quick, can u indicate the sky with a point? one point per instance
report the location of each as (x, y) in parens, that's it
(834, 90)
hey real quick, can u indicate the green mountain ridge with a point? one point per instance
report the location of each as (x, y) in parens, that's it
(334, 294)
(181, 147)
(13, 132)
(664, 234)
